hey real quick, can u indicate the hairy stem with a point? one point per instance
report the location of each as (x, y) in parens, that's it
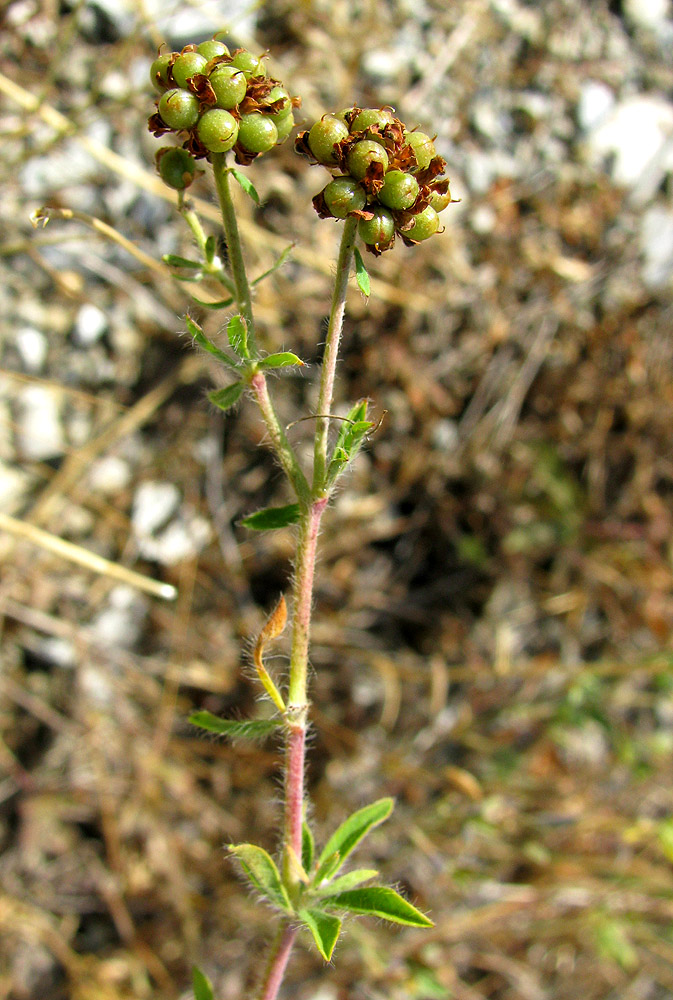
(236, 262)
(333, 338)
(279, 442)
(278, 959)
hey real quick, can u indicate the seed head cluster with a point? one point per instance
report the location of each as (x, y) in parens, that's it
(215, 101)
(387, 176)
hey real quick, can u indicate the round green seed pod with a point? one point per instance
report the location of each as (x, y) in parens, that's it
(218, 130)
(249, 63)
(364, 153)
(159, 72)
(323, 137)
(400, 190)
(439, 200)
(257, 133)
(369, 117)
(284, 127)
(426, 224)
(423, 147)
(229, 85)
(179, 109)
(344, 195)
(176, 167)
(212, 48)
(379, 231)
(284, 109)
(186, 66)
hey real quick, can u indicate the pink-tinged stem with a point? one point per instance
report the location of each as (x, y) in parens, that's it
(278, 963)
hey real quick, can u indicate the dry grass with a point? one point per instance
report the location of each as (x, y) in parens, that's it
(495, 596)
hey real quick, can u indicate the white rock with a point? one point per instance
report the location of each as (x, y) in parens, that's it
(109, 475)
(39, 426)
(648, 13)
(14, 485)
(121, 623)
(90, 324)
(656, 244)
(596, 100)
(635, 133)
(153, 505)
(32, 345)
(184, 538)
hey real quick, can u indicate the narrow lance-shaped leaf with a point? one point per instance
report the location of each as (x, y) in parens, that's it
(209, 249)
(173, 260)
(203, 988)
(379, 901)
(361, 274)
(325, 929)
(272, 517)
(327, 868)
(280, 360)
(348, 881)
(272, 628)
(247, 729)
(247, 185)
(351, 435)
(262, 873)
(219, 304)
(199, 336)
(307, 847)
(274, 267)
(237, 332)
(350, 833)
(227, 397)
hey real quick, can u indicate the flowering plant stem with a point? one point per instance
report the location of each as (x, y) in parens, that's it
(312, 503)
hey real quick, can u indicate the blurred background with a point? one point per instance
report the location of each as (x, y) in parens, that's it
(494, 601)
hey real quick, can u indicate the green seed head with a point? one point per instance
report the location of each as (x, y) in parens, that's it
(249, 63)
(344, 195)
(425, 225)
(379, 231)
(399, 191)
(323, 137)
(212, 49)
(218, 130)
(229, 85)
(179, 109)
(423, 147)
(159, 72)
(280, 96)
(283, 127)
(176, 167)
(363, 154)
(439, 200)
(369, 117)
(186, 66)
(257, 133)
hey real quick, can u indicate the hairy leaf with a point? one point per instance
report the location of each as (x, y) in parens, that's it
(349, 441)
(199, 336)
(325, 929)
(173, 260)
(379, 901)
(237, 332)
(274, 267)
(350, 833)
(247, 185)
(247, 729)
(307, 847)
(227, 397)
(203, 989)
(272, 517)
(263, 874)
(280, 360)
(361, 275)
(344, 882)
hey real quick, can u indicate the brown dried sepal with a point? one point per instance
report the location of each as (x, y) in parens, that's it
(435, 168)
(320, 205)
(372, 181)
(404, 159)
(157, 126)
(194, 146)
(302, 147)
(243, 156)
(200, 85)
(378, 248)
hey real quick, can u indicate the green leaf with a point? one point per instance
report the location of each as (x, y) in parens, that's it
(203, 989)
(379, 901)
(247, 185)
(262, 873)
(307, 847)
(361, 274)
(173, 260)
(237, 332)
(209, 249)
(352, 434)
(329, 867)
(199, 336)
(227, 397)
(350, 833)
(348, 881)
(219, 304)
(325, 929)
(247, 729)
(272, 517)
(274, 267)
(281, 360)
